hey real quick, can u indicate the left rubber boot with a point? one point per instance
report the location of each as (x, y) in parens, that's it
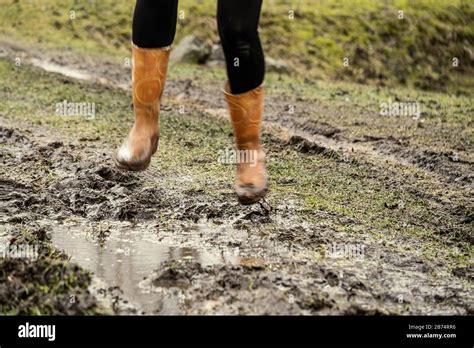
(246, 110)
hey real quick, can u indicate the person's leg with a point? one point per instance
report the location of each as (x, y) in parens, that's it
(238, 29)
(154, 27)
(154, 23)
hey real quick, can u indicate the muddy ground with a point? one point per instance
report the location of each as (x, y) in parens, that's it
(366, 215)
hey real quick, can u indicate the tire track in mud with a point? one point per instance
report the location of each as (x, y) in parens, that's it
(283, 269)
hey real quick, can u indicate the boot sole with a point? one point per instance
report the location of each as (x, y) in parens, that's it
(141, 166)
(132, 167)
(244, 200)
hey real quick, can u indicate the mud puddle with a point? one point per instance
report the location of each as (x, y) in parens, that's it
(123, 255)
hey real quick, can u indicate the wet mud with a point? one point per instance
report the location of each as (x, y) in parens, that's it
(150, 244)
(206, 257)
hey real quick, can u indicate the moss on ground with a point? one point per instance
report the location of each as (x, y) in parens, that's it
(44, 287)
(46, 283)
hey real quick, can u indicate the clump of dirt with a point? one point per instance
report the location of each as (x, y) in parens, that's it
(33, 235)
(44, 287)
(15, 197)
(98, 192)
(306, 146)
(465, 272)
(172, 275)
(192, 208)
(222, 208)
(42, 281)
(302, 236)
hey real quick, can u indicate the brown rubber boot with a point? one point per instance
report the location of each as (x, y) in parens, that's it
(149, 70)
(246, 109)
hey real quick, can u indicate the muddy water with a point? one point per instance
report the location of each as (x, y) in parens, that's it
(124, 258)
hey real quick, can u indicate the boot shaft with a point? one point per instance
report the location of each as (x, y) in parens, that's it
(149, 70)
(246, 112)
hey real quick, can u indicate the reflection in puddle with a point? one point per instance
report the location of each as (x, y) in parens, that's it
(124, 259)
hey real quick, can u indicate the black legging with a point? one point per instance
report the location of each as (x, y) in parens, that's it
(154, 25)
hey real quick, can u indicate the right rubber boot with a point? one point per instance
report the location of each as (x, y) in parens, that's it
(149, 69)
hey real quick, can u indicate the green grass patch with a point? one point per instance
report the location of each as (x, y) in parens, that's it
(390, 43)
